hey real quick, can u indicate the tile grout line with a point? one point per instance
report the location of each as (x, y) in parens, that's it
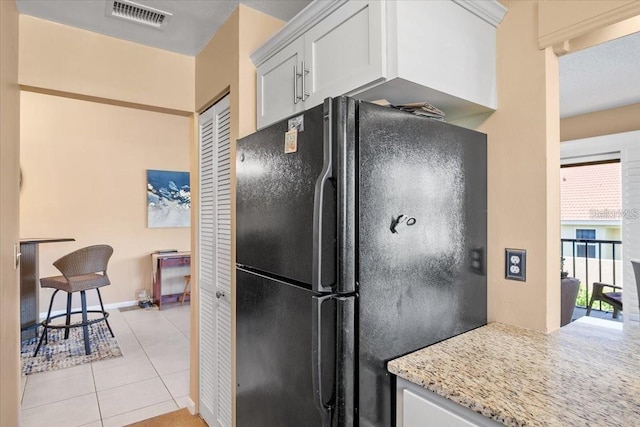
(126, 327)
(94, 378)
(95, 388)
(149, 359)
(162, 379)
(55, 401)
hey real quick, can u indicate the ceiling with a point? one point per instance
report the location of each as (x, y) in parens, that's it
(601, 77)
(191, 26)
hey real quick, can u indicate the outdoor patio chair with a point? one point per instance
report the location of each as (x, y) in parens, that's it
(614, 298)
(81, 270)
(568, 293)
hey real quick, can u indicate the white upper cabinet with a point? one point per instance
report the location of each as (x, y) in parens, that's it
(344, 51)
(278, 84)
(438, 51)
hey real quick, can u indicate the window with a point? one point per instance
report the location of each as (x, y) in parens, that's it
(587, 250)
(582, 233)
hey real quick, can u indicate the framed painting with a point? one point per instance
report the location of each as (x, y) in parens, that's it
(168, 199)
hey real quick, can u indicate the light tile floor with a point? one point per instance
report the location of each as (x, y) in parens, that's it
(150, 379)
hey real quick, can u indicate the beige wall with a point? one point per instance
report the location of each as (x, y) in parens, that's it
(9, 176)
(523, 175)
(255, 29)
(84, 176)
(66, 59)
(605, 34)
(524, 137)
(119, 108)
(561, 20)
(222, 67)
(216, 66)
(605, 122)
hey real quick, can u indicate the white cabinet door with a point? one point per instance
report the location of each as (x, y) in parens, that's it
(344, 51)
(279, 89)
(420, 412)
(417, 407)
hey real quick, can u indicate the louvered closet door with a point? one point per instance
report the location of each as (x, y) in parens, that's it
(215, 265)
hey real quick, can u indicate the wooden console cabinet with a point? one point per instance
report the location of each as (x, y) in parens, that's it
(161, 261)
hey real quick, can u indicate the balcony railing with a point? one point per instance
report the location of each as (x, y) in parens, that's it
(592, 260)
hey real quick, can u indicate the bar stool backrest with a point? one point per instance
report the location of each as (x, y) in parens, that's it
(91, 259)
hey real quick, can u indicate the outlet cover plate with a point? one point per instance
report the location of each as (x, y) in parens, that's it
(516, 264)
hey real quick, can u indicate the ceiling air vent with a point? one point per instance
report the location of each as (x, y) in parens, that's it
(138, 13)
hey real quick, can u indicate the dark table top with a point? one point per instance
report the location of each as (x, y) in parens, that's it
(46, 240)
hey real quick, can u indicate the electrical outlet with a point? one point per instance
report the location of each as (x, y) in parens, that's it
(477, 261)
(516, 264)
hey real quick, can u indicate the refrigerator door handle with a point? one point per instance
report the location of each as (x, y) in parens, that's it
(316, 359)
(318, 201)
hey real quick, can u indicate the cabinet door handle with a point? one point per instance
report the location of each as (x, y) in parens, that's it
(304, 73)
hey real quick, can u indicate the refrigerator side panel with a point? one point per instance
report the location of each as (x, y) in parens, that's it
(276, 355)
(422, 226)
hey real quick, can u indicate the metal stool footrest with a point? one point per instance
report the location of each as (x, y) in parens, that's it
(74, 325)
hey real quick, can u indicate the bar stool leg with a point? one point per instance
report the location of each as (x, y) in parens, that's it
(45, 324)
(85, 327)
(68, 318)
(103, 312)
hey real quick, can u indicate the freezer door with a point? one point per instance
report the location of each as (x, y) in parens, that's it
(422, 237)
(285, 202)
(285, 354)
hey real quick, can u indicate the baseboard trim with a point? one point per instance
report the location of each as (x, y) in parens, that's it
(191, 406)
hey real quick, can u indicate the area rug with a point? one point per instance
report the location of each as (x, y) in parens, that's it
(60, 353)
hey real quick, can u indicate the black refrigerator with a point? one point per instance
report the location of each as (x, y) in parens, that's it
(361, 237)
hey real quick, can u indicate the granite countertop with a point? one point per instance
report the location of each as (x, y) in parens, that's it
(580, 375)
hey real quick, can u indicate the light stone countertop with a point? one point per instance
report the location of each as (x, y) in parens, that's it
(580, 375)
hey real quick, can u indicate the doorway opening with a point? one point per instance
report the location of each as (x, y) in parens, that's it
(591, 233)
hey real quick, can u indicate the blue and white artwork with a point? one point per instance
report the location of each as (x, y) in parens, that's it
(168, 199)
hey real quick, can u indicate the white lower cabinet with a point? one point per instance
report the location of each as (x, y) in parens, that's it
(418, 407)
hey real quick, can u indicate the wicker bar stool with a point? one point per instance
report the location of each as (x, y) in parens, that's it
(81, 270)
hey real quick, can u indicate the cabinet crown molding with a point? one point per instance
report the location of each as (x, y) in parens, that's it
(490, 11)
(298, 25)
